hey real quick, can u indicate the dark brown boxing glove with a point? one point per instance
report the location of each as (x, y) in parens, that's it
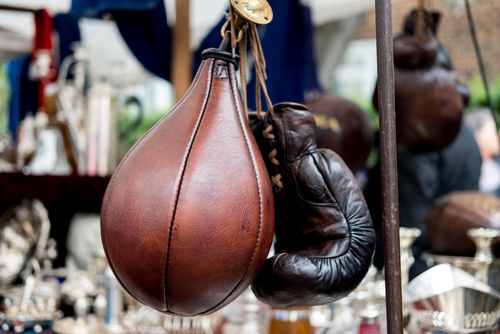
(410, 53)
(324, 234)
(429, 99)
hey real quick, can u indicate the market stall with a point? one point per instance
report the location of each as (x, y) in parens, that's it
(234, 214)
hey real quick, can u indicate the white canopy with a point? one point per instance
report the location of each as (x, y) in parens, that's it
(106, 46)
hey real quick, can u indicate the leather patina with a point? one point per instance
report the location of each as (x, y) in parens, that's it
(429, 99)
(324, 234)
(188, 217)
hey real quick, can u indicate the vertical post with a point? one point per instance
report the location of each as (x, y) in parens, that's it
(182, 59)
(388, 162)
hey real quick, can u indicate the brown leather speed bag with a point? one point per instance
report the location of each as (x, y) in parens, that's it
(188, 217)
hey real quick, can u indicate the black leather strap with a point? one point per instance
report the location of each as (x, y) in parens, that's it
(222, 55)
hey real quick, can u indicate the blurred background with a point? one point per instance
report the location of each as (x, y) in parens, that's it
(82, 80)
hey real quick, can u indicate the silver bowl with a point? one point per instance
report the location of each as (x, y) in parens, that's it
(445, 298)
(467, 264)
(24, 233)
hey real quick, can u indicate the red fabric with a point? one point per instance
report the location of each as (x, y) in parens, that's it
(43, 34)
(43, 45)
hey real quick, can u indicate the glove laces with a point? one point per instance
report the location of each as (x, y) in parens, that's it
(250, 29)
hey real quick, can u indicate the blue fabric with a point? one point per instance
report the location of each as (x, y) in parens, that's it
(24, 93)
(149, 37)
(97, 8)
(212, 40)
(288, 47)
(68, 30)
(143, 25)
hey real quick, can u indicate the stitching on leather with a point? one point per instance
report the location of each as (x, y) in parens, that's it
(111, 185)
(231, 71)
(183, 170)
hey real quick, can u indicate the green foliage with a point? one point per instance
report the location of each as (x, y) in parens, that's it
(4, 97)
(478, 93)
(150, 118)
(367, 106)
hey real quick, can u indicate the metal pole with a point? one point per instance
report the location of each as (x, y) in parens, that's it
(19, 9)
(480, 61)
(388, 163)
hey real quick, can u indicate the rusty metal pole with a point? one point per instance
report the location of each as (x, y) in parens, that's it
(18, 9)
(388, 163)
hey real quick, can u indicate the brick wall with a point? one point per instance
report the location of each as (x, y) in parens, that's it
(454, 33)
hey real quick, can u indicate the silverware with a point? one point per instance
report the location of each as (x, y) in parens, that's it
(445, 298)
(407, 237)
(483, 238)
(24, 233)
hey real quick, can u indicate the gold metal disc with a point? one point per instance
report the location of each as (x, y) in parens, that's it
(256, 11)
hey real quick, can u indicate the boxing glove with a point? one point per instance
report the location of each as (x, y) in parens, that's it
(324, 234)
(429, 100)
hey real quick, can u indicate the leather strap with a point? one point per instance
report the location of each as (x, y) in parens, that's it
(222, 55)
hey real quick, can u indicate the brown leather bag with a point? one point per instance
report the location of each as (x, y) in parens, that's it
(188, 218)
(452, 215)
(342, 127)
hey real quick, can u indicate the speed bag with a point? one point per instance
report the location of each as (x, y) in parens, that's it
(187, 220)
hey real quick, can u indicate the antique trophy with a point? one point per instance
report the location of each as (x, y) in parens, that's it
(406, 238)
(24, 244)
(483, 266)
(483, 238)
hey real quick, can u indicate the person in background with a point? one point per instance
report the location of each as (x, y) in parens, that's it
(485, 132)
(422, 178)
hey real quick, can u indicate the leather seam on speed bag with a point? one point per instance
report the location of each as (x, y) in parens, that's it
(252, 157)
(182, 172)
(110, 187)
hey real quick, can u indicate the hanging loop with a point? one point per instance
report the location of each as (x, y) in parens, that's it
(240, 34)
